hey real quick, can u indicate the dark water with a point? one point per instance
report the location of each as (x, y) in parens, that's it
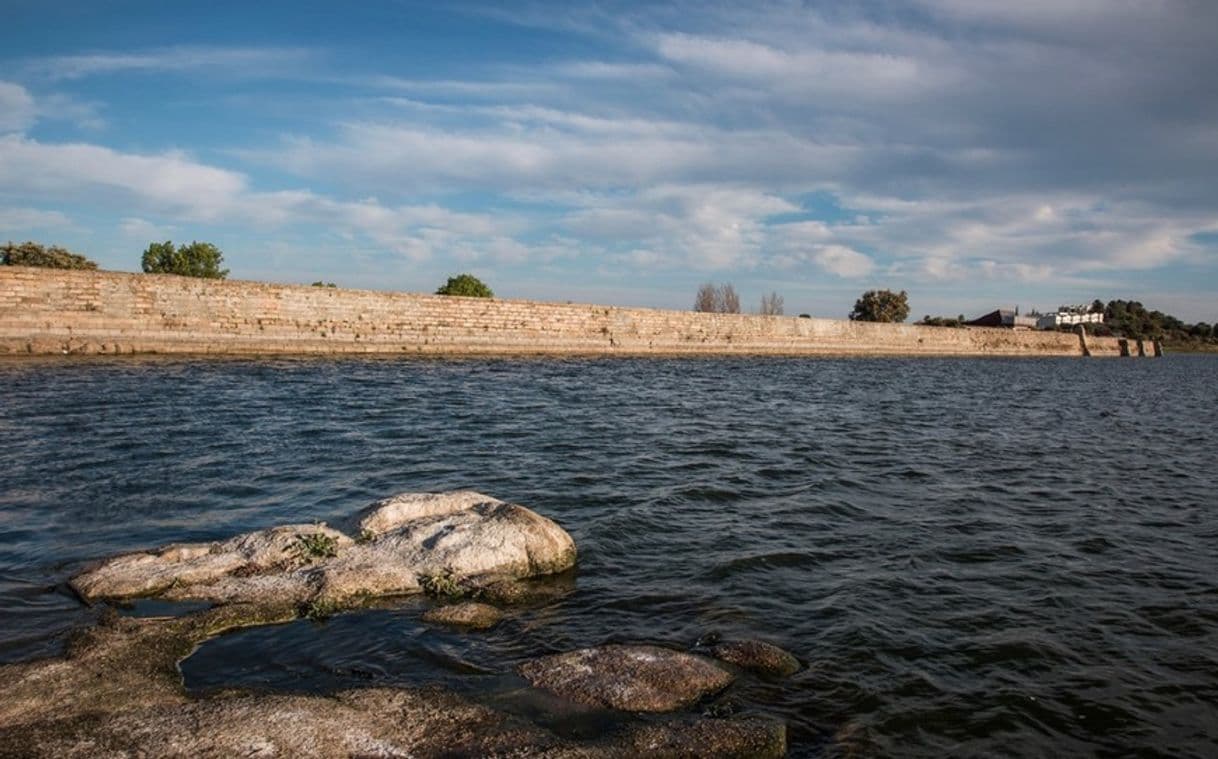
(972, 557)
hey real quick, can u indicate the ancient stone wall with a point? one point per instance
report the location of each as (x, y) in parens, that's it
(46, 311)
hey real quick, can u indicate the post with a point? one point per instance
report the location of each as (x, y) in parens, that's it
(1082, 339)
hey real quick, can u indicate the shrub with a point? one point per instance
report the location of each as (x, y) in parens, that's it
(881, 306)
(313, 545)
(33, 254)
(319, 283)
(466, 285)
(199, 259)
(443, 584)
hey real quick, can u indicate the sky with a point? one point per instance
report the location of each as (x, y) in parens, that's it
(976, 154)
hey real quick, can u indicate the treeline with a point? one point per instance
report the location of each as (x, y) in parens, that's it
(33, 254)
(198, 259)
(1129, 318)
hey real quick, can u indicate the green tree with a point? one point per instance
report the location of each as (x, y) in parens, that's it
(199, 259)
(881, 306)
(467, 285)
(33, 254)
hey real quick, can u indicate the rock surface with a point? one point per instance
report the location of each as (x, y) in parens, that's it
(471, 537)
(471, 614)
(391, 513)
(629, 678)
(149, 573)
(118, 693)
(758, 656)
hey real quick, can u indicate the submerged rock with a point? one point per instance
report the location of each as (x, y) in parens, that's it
(119, 693)
(471, 614)
(758, 656)
(629, 678)
(465, 535)
(712, 737)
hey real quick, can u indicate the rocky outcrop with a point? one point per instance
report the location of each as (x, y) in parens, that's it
(118, 691)
(629, 678)
(470, 614)
(758, 656)
(466, 536)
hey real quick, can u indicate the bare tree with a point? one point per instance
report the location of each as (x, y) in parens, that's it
(707, 299)
(771, 305)
(729, 301)
(717, 300)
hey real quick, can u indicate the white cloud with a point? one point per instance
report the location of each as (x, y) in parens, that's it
(246, 62)
(810, 71)
(842, 261)
(17, 108)
(21, 219)
(143, 230)
(170, 181)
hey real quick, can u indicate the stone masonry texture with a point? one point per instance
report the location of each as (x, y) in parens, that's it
(45, 311)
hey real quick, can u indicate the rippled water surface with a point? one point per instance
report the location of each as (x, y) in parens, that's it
(1001, 557)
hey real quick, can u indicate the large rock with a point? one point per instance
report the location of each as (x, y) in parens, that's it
(629, 678)
(465, 536)
(758, 656)
(482, 544)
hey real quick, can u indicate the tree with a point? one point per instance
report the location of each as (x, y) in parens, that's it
(199, 259)
(881, 306)
(771, 305)
(33, 254)
(729, 301)
(717, 300)
(466, 285)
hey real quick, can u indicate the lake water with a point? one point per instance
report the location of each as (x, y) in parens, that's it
(971, 557)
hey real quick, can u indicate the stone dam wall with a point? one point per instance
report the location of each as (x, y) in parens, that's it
(53, 312)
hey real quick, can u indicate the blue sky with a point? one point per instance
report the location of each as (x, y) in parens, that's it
(977, 154)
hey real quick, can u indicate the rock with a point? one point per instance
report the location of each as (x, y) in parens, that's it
(481, 544)
(125, 663)
(468, 614)
(629, 678)
(711, 737)
(465, 535)
(119, 693)
(758, 656)
(390, 513)
(185, 564)
(530, 591)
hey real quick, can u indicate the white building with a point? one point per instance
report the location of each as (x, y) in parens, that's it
(1053, 321)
